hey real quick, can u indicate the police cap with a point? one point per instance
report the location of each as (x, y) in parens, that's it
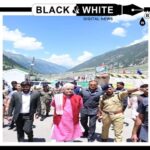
(106, 87)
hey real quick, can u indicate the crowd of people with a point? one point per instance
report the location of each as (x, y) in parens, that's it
(76, 108)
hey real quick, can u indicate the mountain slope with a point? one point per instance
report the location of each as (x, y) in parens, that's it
(126, 56)
(8, 63)
(40, 66)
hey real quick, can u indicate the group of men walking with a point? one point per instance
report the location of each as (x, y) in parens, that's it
(103, 103)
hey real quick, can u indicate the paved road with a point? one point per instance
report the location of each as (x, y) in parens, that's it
(42, 131)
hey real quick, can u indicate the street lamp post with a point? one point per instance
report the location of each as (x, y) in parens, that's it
(31, 67)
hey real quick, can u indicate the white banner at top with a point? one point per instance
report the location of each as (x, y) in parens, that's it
(53, 9)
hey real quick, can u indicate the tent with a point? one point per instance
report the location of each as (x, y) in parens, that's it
(14, 75)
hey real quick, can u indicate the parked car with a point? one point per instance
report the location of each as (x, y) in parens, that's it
(39, 84)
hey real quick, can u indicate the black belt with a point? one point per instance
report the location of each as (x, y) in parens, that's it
(24, 114)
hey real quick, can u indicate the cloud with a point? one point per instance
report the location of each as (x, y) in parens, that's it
(66, 60)
(20, 41)
(126, 18)
(144, 38)
(86, 56)
(12, 51)
(117, 47)
(28, 43)
(145, 29)
(119, 32)
(126, 24)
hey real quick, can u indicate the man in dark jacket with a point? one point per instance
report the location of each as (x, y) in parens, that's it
(24, 104)
(91, 97)
(141, 122)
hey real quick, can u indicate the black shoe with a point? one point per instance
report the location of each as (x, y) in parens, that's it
(47, 114)
(85, 135)
(30, 140)
(104, 140)
(11, 127)
(91, 140)
(21, 140)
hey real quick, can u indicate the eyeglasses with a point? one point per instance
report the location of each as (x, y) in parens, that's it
(93, 84)
(70, 89)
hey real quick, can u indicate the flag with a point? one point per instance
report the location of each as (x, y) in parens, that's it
(139, 72)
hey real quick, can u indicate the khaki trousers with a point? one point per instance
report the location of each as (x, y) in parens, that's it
(117, 121)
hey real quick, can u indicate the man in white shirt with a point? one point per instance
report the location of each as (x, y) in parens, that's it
(25, 104)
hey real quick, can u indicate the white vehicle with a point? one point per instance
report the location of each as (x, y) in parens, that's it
(39, 84)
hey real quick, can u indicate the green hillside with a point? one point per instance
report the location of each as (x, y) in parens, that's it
(11, 64)
(123, 57)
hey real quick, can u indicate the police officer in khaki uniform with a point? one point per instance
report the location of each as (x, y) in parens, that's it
(111, 111)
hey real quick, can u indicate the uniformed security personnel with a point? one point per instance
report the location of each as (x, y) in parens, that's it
(111, 112)
(119, 88)
(45, 98)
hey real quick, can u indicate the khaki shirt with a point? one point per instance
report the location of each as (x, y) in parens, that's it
(112, 103)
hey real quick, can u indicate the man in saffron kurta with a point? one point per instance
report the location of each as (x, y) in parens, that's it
(66, 115)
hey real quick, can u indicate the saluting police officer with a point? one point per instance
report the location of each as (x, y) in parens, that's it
(111, 111)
